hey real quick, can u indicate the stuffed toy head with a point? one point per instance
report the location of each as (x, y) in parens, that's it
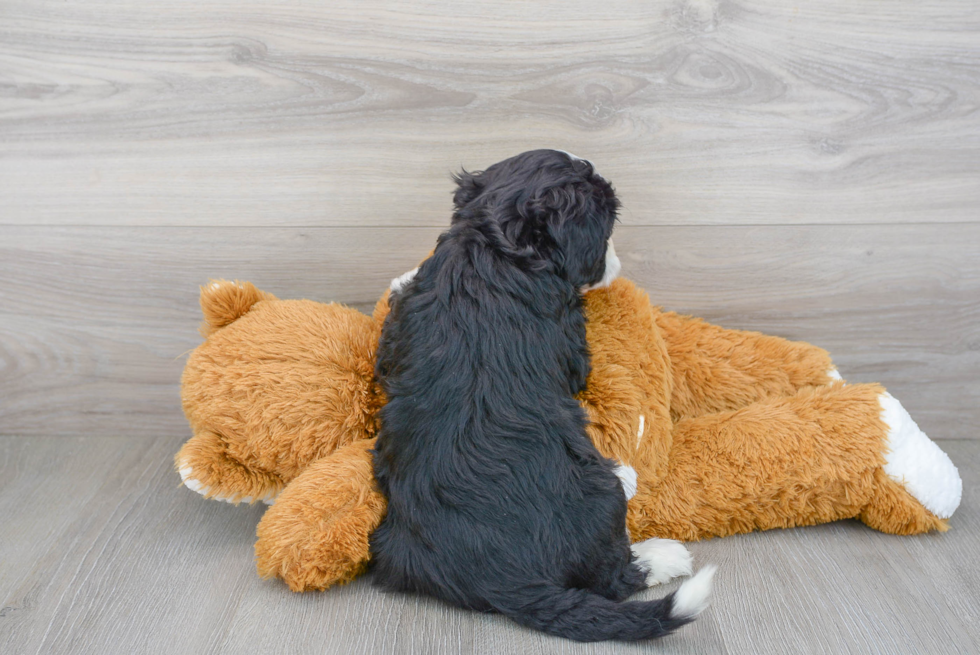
(276, 385)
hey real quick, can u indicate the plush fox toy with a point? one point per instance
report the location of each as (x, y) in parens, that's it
(727, 431)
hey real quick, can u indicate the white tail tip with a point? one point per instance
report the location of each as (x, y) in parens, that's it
(692, 598)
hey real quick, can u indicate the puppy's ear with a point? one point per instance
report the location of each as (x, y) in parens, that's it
(468, 187)
(580, 221)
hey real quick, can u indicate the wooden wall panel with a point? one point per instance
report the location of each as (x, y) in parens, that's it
(702, 112)
(97, 320)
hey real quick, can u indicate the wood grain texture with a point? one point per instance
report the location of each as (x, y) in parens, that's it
(807, 170)
(96, 321)
(354, 113)
(104, 552)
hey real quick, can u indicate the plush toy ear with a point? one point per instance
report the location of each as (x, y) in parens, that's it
(468, 187)
(223, 302)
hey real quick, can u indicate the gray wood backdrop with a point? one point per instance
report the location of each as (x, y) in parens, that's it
(810, 170)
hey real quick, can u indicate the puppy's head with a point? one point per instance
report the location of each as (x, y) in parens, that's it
(547, 210)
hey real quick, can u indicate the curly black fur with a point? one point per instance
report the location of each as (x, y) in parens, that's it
(497, 500)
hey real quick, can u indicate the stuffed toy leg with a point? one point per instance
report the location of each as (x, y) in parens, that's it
(816, 456)
(790, 444)
(317, 532)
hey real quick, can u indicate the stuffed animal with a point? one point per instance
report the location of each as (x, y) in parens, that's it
(727, 431)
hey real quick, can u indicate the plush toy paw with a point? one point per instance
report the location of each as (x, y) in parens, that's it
(206, 467)
(187, 477)
(662, 560)
(317, 534)
(915, 461)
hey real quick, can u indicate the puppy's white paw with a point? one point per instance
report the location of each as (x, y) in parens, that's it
(662, 559)
(915, 461)
(627, 475)
(402, 280)
(834, 375)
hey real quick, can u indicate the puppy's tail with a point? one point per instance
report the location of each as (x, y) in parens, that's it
(584, 616)
(223, 302)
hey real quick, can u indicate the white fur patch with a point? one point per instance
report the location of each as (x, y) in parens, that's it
(189, 482)
(833, 374)
(662, 559)
(402, 280)
(198, 487)
(570, 155)
(627, 475)
(915, 461)
(613, 267)
(692, 598)
(639, 433)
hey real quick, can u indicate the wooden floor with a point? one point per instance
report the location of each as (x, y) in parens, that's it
(103, 552)
(804, 169)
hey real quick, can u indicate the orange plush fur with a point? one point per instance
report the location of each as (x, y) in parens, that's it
(729, 431)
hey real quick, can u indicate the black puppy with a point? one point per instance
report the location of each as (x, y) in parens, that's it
(497, 500)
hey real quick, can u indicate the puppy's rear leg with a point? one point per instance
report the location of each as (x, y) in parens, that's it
(631, 580)
(623, 579)
(652, 562)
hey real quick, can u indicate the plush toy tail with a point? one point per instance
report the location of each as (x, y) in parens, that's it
(583, 616)
(223, 302)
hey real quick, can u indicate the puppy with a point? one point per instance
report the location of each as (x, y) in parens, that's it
(497, 500)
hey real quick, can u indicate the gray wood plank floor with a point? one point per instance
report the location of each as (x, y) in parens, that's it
(803, 169)
(104, 552)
